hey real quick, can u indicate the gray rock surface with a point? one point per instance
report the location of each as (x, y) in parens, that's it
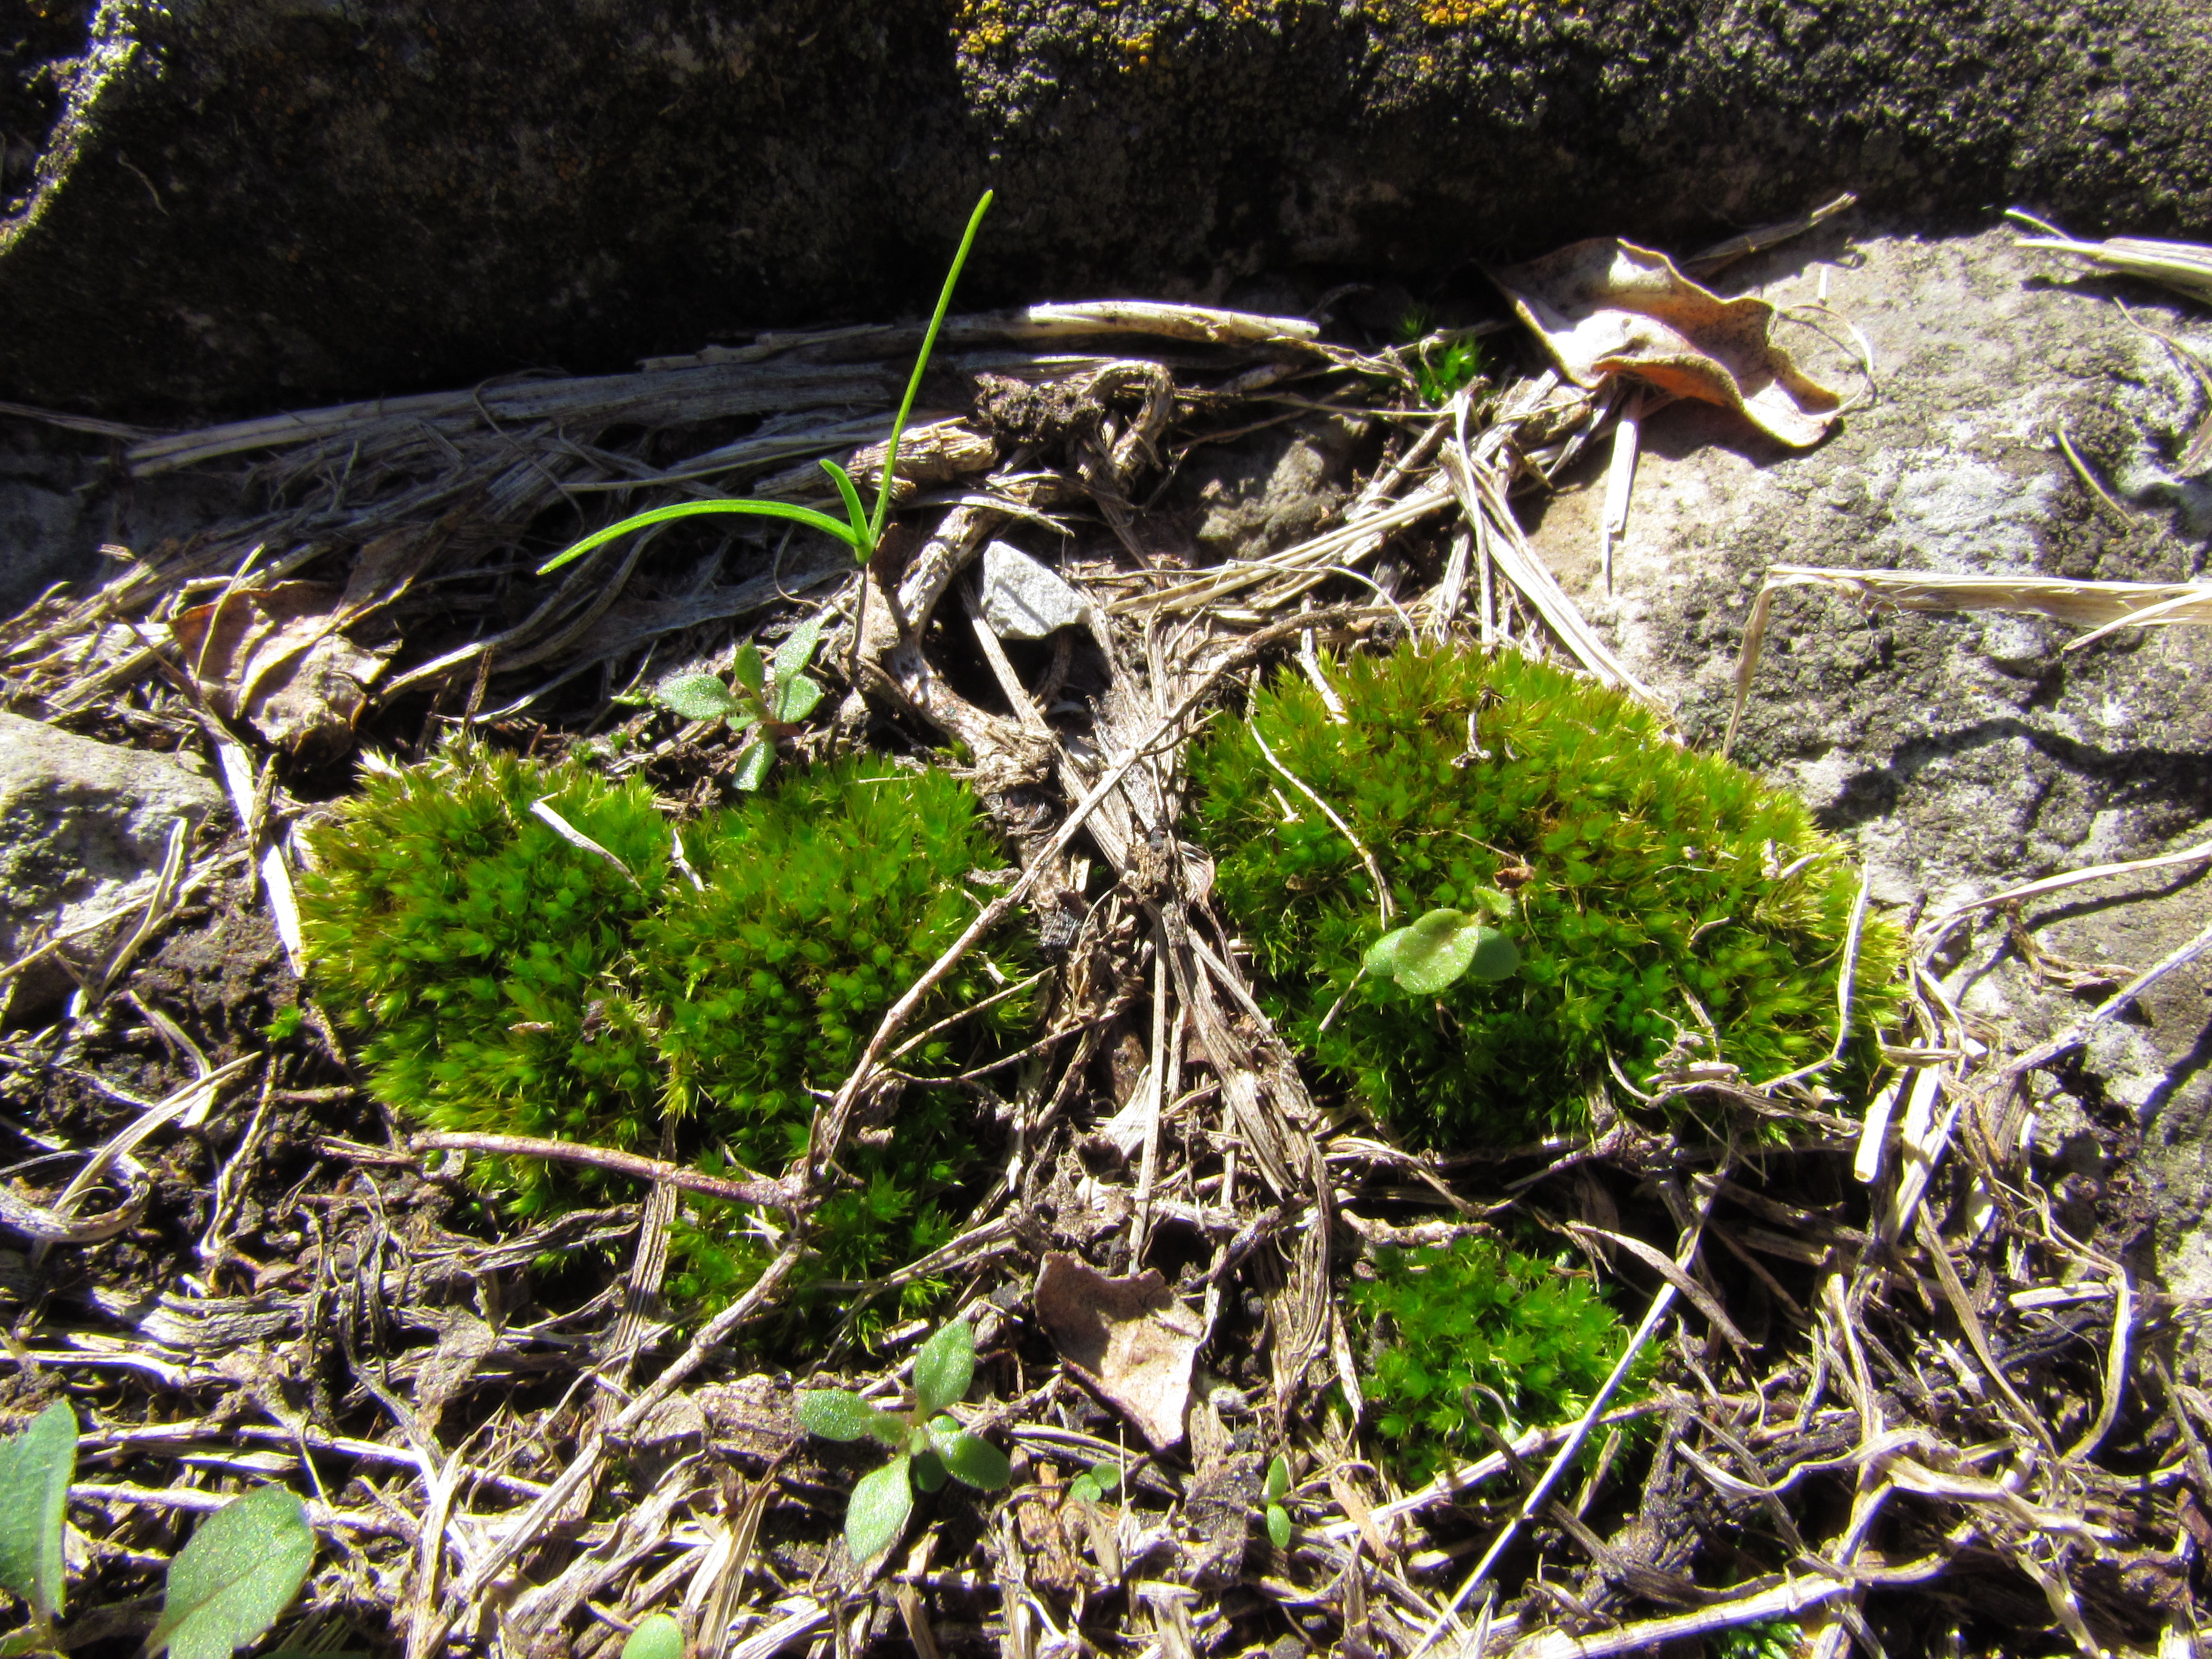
(1023, 599)
(269, 202)
(84, 829)
(1967, 753)
(61, 502)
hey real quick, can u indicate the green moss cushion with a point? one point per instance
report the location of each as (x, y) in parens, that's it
(508, 980)
(1647, 884)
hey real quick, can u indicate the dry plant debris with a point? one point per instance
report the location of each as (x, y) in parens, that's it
(1882, 1385)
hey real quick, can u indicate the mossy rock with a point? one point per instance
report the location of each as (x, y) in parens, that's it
(510, 981)
(1652, 890)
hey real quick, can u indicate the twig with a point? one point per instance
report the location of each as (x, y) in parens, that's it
(774, 1193)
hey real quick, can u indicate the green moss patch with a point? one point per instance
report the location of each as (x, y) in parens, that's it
(1477, 1330)
(1652, 890)
(508, 980)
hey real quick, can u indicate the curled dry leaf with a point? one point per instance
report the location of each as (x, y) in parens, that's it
(1606, 307)
(1126, 1337)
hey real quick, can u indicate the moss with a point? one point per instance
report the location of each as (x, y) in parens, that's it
(509, 981)
(1652, 889)
(1447, 1324)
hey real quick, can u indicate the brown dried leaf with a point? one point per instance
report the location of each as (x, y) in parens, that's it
(1606, 307)
(274, 656)
(1126, 1337)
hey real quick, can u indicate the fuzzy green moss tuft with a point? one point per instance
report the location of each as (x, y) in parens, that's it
(1642, 876)
(1447, 1324)
(509, 981)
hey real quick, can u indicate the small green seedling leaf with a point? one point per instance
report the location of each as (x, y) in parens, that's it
(944, 1368)
(928, 1471)
(749, 669)
(1094, 1483)
(1278, 1526)
(882, 1500)
(656, 1636)
(798, 649)
(697, 697)
(837, 1414)
(969, 1460)
(752, 765)
(1488, 900)
(240, 1570)
(1440, 947)
(36, 1468)
(1278, 1479)
(795, 699)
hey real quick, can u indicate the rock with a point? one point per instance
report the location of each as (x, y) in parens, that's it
(84, 827)
(1264, 493)
(272, 203)
(1022, 599)
(1965, 753)
(61, 499)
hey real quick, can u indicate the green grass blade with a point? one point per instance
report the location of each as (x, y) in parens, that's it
(805, 515)
(865, 543)
(920, 364)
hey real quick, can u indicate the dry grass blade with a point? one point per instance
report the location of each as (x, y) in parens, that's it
(1931, 934)
(2185, 267)
(2085, 604)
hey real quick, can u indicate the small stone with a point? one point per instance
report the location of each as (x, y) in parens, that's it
(2016, 645)
(84, 826)
(1022, 599)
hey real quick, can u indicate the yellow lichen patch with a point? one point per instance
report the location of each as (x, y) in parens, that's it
(1458, 14)
(981, 24)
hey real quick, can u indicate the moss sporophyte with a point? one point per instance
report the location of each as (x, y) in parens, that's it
(524, 954)
(1654, 903)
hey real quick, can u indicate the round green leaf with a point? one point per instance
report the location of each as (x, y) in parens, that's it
(796, 698)
(882, 1500)
(1438, 948)
(1278, 1526)
(240, 1570)
(36, 1468)
(928, 1471)
(697, 698)
(1496, 956)
(656, 1636)
(944, 1367)
(1279, 1478)
(971, 1460)
(836, 1414)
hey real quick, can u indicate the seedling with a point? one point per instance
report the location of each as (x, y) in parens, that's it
(1446, 946)
(767, 700)
(927, 1444)
(1094, 1483)
(861, 529)
(1278, 1488)
(226, 1587)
